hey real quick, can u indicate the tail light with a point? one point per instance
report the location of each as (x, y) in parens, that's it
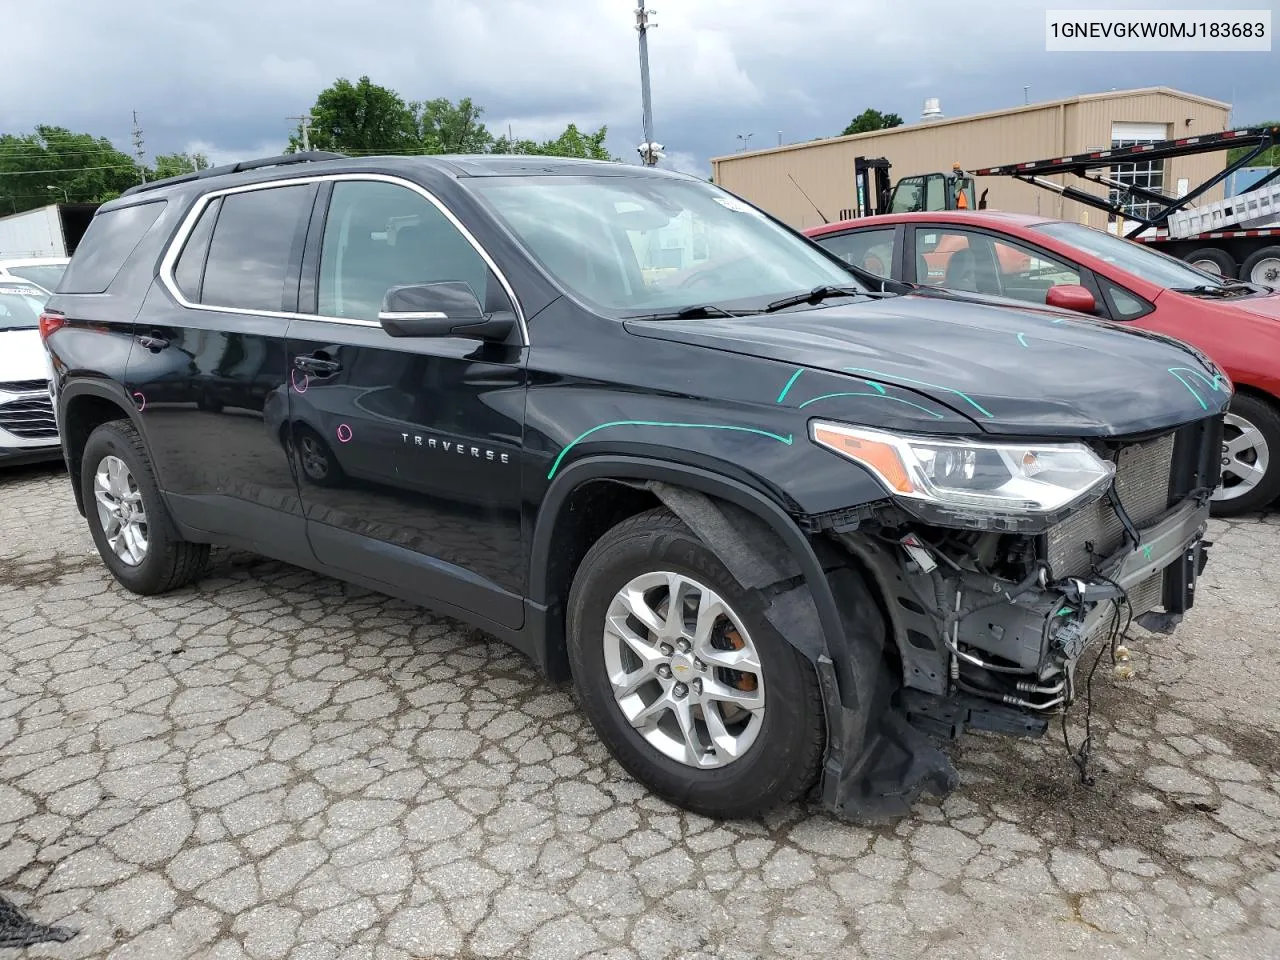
(49, 322)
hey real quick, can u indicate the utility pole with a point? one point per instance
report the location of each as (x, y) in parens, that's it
(304, 124)
(650, 152)
(137, 147)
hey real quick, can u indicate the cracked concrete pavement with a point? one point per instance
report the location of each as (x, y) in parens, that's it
(274, 764)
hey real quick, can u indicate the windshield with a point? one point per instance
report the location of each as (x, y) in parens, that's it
(633, 246)
(46, 275)
(20, 305)
(1130, 256)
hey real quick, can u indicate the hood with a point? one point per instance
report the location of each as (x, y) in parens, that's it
(1012, 371)
(1266, 306)
(22, 356)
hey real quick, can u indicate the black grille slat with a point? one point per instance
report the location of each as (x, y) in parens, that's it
(23, 386)
(30, 418)
(1142, 483)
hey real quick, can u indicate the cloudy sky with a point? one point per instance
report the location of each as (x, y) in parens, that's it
(222, 77)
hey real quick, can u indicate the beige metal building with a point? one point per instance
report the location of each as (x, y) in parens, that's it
(777, 179)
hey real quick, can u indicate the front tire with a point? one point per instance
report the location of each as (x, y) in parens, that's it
(1251, 457)
(128, 518)
(684, 679)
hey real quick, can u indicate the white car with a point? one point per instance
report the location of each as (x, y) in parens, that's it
(28, 431)
(42, 271)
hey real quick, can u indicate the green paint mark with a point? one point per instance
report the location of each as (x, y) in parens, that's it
(1146, 551)
(1022, 339)
(874, 396)
(658, 423)
(1064, 612)
(963, 396)
(1217, 383)
(794, 377)
(873, 385)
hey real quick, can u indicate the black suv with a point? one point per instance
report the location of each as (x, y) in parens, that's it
(783, 524)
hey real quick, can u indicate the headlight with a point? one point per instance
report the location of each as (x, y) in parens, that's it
(1025, 479)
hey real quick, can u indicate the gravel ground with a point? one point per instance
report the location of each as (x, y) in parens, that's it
(274, 764)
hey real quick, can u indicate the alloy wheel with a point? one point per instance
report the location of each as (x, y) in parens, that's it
(1245, 458)
(120, 510)
(684, 671)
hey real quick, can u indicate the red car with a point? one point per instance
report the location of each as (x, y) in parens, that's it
(1070, 265)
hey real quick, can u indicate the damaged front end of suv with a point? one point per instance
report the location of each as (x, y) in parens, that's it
(1007, 571)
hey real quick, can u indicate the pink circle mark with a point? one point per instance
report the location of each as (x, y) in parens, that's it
(306, 381)
(142, 401)
(344, 433)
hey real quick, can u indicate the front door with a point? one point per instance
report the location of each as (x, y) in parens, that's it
(209, 368)
(408, 449)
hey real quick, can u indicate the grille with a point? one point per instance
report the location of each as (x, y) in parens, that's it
(30, 418)
(23, 386)
(1142, 483)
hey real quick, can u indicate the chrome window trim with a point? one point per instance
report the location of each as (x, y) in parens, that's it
(170, 259)
(428, 315)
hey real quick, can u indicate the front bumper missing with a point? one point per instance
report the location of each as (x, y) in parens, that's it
(879, 764)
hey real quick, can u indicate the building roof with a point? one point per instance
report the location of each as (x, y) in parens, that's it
(1006, 111)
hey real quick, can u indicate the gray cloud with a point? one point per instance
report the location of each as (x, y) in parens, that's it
(223, 77)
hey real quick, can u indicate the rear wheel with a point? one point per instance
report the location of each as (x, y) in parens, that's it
(684, 679)
(1263, 267)
(1250, 457)
(1212, 260)
(127, 517)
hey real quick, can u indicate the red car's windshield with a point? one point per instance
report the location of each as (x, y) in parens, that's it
(1130, 256)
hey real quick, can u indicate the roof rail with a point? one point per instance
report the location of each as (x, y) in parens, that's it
(284, 159)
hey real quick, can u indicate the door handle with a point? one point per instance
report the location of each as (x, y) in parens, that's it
(152, 342)
(317, 366)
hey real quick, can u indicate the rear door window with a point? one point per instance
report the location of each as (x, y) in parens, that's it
(872, 250)
(257, 235)
(106, 245)
(189, 271)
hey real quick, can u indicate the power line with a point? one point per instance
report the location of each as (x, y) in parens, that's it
(36, 173)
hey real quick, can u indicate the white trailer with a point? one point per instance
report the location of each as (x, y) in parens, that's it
(51, 231)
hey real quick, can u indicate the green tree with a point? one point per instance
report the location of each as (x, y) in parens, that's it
(177, 164)
(53, 164)
(360, 118)
(1269, 158)
(871, 119)
(572, 143)
(446, 128)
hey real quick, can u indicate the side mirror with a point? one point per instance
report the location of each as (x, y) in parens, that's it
(445, 309)
(1071, 296)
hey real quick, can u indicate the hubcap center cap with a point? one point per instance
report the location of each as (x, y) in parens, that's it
(682, 667)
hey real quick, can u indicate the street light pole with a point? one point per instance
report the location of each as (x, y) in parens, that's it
(64, 192)
(649, 151)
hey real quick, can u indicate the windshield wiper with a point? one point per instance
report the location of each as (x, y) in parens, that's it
(698, 311)
(819, 293)
(1220, 291)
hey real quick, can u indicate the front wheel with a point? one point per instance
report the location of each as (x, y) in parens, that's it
(1250, 457)
(683, 677)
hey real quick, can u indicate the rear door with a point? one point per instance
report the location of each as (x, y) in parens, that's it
(408, 448)
(209, 370)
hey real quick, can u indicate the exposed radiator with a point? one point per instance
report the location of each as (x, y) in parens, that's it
(1142, 483)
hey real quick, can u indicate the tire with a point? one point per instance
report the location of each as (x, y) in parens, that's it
(1266, 264)
(1257, 421)
(166, 561)
(780, 746)
(1212, 260)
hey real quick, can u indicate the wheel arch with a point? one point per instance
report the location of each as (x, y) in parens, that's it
(653, 483)
(83, 406)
